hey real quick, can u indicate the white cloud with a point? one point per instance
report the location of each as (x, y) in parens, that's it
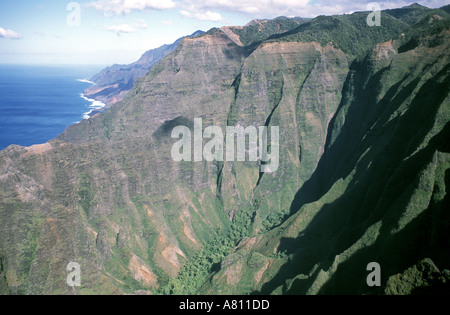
(9, 34)
(124, 7)
(140, 23)
(46, 35)
(118, 29)
(256, 8)
(202, 16)
(304, 8)
(212, 10)
(325, 7)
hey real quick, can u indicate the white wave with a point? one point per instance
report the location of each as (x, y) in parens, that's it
(86, 98)
(87, 115)
(85, 81)
(97, 104)
(94, 105)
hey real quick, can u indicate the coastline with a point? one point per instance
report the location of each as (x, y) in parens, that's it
(39, 102)
(95, 106)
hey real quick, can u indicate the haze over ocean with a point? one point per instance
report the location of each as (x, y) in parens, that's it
(37, 103)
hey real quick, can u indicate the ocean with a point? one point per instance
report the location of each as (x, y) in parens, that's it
(37, 103)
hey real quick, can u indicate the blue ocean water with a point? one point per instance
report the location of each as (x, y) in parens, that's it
(37, 103)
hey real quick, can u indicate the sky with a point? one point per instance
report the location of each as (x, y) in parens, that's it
(105, 32)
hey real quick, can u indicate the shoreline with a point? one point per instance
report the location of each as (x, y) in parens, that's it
(95, 106)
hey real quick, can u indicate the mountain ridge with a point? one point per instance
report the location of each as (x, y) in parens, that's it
(363, 171)
(112, 83)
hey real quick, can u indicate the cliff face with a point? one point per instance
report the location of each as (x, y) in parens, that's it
(110, 186)
(362, 176)
(379, 192)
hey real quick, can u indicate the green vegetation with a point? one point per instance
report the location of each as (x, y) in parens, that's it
(423, 278)
(427, 32)
(198, 269)
(3, 267)
(412, 14)
(108, 125)
(347, 32)
(259, 30)
(86, 193)
(275, 218)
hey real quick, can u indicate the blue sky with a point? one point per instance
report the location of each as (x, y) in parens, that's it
(120, 31)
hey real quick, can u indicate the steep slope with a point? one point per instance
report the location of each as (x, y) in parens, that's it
(108, 196)
(258, 31)
(411, 14)
(354, 134)
(112, 83)
(379, 192)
